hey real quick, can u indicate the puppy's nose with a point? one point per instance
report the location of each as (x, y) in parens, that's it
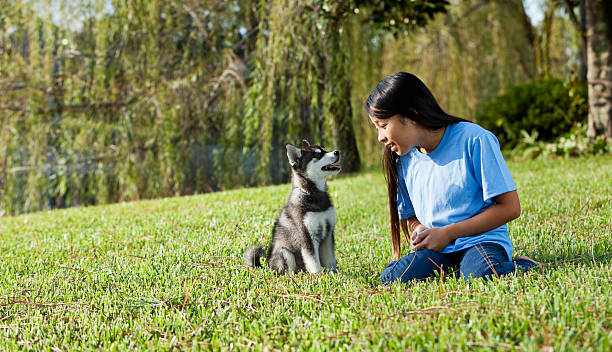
(336, 153)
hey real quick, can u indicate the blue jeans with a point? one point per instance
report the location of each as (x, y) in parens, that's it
(485, 260)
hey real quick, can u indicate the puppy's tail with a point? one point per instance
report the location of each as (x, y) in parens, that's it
(252, 256)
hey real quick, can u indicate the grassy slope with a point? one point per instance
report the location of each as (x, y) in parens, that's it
(163, 273)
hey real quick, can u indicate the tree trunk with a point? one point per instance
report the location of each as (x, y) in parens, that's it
(583, 45)
(599, 73)
(579, 25)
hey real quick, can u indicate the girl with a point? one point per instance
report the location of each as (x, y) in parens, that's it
(448, 186)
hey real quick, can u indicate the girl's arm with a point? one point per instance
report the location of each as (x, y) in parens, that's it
(411, 224)
(506, 208)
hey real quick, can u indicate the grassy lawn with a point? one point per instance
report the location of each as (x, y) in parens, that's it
(166, 274)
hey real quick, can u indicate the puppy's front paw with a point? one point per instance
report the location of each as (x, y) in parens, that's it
(332, 270)
(314, 271)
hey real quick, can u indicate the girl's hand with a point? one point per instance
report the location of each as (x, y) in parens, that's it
(420, 228)
(434, 239)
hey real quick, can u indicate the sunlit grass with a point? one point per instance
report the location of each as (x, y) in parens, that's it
(167, 273)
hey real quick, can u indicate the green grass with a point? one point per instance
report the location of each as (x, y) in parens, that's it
(166, 274)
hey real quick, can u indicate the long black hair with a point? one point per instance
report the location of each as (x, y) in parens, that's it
(403, 94)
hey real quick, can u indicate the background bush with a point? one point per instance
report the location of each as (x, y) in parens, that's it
(548, 108)
(573, 143)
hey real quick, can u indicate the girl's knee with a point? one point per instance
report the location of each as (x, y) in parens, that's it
(387, 276)
(486, 261)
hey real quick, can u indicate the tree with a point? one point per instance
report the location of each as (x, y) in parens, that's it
(130, 104)
(301, 83)
(599, 62)
(156, 98)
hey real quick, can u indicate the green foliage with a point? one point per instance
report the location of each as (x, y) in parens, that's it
(549, 108)
(387, 16)
(163, 98)
(166, 275)
(285, 100)
(573, 143)
(131, 106)
(468, 55)
(302, 84)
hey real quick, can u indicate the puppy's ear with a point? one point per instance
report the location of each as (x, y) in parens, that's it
(293, 154)
(305, 143)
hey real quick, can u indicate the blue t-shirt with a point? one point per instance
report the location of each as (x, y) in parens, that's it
(455, 182)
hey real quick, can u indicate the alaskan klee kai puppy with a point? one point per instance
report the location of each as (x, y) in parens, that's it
(303, 235)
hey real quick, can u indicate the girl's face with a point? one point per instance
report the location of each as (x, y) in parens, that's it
(398, 133)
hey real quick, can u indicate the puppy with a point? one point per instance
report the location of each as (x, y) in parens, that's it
(303, 235)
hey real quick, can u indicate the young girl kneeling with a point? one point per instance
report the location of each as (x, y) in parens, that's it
(448, 185)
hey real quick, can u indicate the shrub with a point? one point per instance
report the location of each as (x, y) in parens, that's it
(549, 108)
(573, 143)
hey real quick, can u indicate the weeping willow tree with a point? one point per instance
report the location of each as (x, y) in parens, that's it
(302, 79)
(130, 99)
(128, 105)
(293, 95)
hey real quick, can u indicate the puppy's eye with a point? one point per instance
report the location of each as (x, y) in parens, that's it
(318, 155)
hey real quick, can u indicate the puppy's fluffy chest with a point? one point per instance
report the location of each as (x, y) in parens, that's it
(320, 223)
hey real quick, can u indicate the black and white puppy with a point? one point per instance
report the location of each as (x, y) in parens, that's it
(303, 235)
